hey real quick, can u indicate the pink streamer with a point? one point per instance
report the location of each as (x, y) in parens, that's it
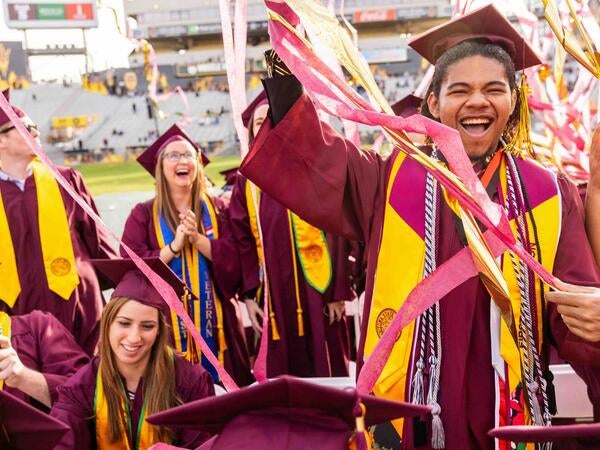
(378, 142)
(331, 94)
(186, 119)
(236, 78)
(164, 289)
(438, 284)
(260, 364)
(328, 91)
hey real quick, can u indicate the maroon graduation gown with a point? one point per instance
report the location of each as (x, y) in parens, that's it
(339, 188)
(323, 350)
(80, 314)
(75, 404)
(139, 234)
(45, 345)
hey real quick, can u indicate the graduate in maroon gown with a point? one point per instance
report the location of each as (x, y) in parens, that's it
(189, 230)
(469, 352)
(37, 354)
(136, 373)
(307, 326)
(44, 262)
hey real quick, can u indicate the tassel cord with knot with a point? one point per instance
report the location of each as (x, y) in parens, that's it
(534, 381)
(428, 325)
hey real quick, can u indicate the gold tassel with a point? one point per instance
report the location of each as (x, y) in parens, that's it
(222, 343)
(300, 322)
(274, 331)
(520, 144)
(192, 354)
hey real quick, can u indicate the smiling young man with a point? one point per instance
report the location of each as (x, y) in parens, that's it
(46, 239)
(459, 357)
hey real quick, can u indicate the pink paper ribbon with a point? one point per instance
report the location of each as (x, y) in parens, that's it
(163, 288)
(334, 96)
(235, 64)
(328, 91)
(438, 284)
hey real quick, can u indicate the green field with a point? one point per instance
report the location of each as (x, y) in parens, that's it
(106, 178)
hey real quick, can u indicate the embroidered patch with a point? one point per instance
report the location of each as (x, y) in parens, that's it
(383, 320)
(60, 267)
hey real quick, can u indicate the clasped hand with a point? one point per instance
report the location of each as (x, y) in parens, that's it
(188, 227)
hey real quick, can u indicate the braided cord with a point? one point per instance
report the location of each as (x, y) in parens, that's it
(534, 380)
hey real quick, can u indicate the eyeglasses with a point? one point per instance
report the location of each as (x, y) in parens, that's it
(29, 126)
(176, 156)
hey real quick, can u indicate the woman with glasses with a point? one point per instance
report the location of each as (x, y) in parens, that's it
(46, 240)
(189, 230)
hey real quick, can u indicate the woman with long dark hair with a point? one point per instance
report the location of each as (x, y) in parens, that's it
(136, 373)
(189, 230)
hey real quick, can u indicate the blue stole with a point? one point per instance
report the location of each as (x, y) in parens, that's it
(203, 312)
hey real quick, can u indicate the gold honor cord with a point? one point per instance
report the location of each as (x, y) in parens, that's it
(317, 20)
(587, 56)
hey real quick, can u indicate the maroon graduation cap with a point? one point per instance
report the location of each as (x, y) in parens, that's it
(284, 413)
(229, 174)
(149, 157)
(261, 99)
(131, 283)
(3, 117)
(483, 23)
(407, 106)
(553, 433)
(23, 427)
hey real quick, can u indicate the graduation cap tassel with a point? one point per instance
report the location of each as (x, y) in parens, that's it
(300, 322)
(362, 440)
(274, 330)
(222, 342)
(438, 437)
(520, 144)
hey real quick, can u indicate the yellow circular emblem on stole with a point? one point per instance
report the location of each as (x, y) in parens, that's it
(383, 320)
(313, 253)
(60, 267)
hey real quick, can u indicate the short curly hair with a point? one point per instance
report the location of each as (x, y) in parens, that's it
(468, 48)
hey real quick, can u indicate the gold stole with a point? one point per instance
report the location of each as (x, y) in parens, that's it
(310, 245)
(400, 267)
(5, 330)
(55, 240)
(147, 435)
(193, 352)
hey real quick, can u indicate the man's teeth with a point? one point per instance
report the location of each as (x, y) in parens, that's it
(475, 121)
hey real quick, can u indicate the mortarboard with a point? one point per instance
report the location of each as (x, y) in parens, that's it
(261, 99)
(229, 174)
(483, 23)
(3, 117)
(149, 157)
(407, 106)
(23, 427)
(131, 283)
(284, 410)
(553, 433)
